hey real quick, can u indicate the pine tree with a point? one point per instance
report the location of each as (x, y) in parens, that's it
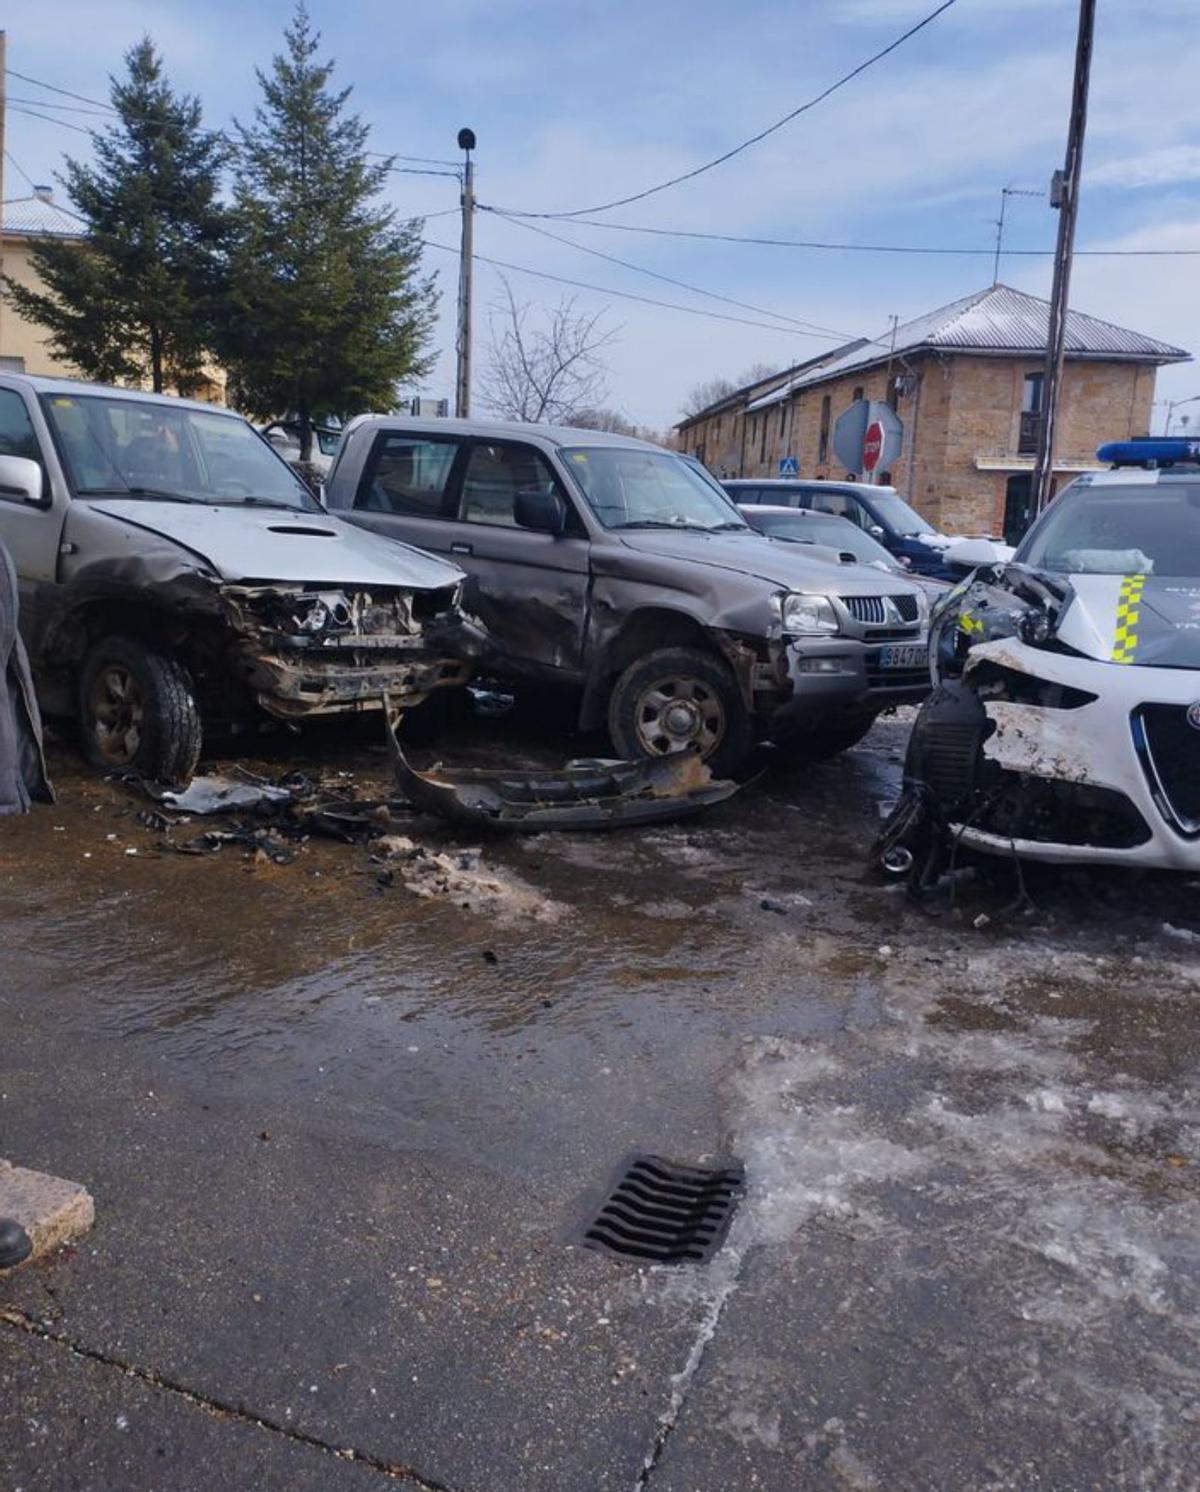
(327, 311)
(134, 301)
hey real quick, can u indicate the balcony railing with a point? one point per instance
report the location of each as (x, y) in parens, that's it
(1031, 428)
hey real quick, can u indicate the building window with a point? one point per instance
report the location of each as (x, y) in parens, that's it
(1031, 414)
(763, 422)
(893, 393)
(823, 440)
(858, 393)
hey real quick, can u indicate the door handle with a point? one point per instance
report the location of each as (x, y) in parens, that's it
(458, 547)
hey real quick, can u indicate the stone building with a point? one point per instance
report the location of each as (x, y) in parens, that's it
(23, 346)
(966, 381)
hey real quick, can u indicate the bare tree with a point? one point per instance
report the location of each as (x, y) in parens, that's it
(544, 368)
(716, 389)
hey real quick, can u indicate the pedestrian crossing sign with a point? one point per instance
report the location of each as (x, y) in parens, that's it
(788, 466)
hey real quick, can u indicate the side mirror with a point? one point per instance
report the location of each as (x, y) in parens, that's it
(21, 478)
(543, 511)
(970, 554)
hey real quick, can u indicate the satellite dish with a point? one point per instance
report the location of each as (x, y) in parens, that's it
(466, 139)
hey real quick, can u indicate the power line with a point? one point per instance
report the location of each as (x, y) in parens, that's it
(65, 108)
(669, 280)
(20, 170)
(50, 119)
(66, 92)
(645, 300)
(762, 134)
(854, 248)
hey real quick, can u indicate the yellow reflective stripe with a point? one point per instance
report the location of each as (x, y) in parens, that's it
(969, 623)
(1129, 602)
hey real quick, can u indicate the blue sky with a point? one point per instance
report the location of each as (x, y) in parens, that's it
(575, 104)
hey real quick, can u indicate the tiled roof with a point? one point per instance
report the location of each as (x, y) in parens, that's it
(1001, 319)
(38, 218)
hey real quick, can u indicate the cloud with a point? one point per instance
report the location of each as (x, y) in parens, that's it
(1171, 165)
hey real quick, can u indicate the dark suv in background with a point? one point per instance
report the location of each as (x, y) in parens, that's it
(878, 511)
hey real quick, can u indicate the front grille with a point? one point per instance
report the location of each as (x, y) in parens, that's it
(1050, 811)
(1169, 749)
(666, 1212)
(875, 611)
(866, 609)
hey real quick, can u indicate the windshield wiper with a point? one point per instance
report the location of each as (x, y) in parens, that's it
(723, 528)
(695, 528)
(259, 502)
(153, 493)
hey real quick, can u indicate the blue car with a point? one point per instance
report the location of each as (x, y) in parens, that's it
(879, 511)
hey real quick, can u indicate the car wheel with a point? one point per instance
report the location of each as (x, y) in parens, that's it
(138, 711)
(827, 741)
(676, 699)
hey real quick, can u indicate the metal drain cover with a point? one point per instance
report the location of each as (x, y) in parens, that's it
(666, 1212)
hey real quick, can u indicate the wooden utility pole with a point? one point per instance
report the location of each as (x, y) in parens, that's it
(462, 384)
(1064, 195)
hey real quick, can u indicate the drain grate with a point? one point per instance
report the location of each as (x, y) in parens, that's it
(666, 1212)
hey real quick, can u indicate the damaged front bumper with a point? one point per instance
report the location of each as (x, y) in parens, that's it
(313, 653)
(1109, 772)
(583, 795)
(825, 675)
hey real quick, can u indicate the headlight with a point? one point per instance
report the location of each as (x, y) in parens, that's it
(808, 616)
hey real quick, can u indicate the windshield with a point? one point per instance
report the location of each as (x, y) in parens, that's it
(896, 515)
(818, 528)
(137, 448)
(629, 488)
(1142, 529)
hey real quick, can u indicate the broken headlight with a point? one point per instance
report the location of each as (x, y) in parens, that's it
(326, 611)
(807, 616)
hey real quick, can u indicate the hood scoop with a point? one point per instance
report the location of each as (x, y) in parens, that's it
(302, 532)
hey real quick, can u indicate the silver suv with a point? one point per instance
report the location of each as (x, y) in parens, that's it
(174, 572)
(623, 570)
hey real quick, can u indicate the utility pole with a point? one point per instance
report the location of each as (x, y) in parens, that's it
(462, 387)
(3, 147)
(1064, 195)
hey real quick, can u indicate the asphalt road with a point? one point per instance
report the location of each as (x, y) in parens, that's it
(344, 1118)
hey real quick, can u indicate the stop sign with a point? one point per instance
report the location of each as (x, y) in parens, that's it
(872, 446)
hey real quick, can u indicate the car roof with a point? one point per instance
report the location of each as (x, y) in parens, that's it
(1138, 476)
(557, 435)
(40, 384)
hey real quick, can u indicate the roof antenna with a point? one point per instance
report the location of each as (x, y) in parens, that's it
(1005, 193)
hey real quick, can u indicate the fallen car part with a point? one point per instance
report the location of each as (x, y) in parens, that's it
(205, 795)
(582, 795)
(665, 1212)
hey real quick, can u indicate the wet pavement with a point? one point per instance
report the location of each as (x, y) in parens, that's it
(342, 1120)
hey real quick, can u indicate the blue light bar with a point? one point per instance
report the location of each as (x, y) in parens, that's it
(1151, 450)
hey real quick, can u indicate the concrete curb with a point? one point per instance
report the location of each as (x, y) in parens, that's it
(52, 1211)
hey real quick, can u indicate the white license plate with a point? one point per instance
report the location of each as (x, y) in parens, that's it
(904, 655)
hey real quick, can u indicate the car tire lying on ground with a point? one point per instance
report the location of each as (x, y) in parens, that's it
(676, 698)
(137, 711)
(824, 742)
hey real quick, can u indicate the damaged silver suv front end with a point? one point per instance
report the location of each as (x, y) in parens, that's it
(303, 652)
(1065, 721)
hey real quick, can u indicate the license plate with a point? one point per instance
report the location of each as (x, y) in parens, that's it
(904, 655)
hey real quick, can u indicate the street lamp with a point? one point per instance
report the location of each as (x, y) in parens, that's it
(1173, 405)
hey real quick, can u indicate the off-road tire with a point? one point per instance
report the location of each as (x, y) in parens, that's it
(825, 742)
(163, 743)
(710, 689)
